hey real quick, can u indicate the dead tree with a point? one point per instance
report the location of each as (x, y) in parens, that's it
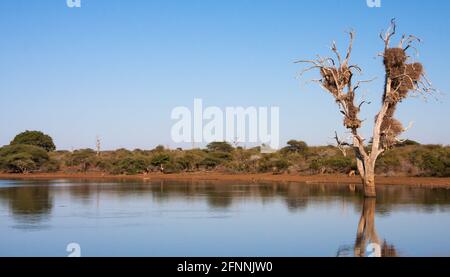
(401, 79)
(98, 145)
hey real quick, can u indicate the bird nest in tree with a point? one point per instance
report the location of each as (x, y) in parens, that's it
(394, 57)
(334, 79)
(392, 125)
(414, 71)
(352, 123)
(404, 77)
(351, 120)
(391, 128)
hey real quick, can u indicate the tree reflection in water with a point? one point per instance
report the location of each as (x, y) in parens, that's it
(30, 205)
(366, 232)
(32, 202)
(367, 241)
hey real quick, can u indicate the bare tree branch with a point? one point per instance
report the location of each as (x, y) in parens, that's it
(336, 52)
(358, 84)
(341, 145)
(390, 32)
(350, 47)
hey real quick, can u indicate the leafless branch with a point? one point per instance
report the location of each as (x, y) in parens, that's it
(358, 84)
(341, 145)
(362, 103)
(410, 125)
(350, 47)
(309, 69)
(390, 32)
(408, 41)
(336, 52)
(354, 66)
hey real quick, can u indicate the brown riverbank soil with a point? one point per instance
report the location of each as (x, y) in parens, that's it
(330, 179)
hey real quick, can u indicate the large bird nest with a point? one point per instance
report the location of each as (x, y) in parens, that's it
(391, 128)
(404, 77)
(391, 125)
(351, 120)
(334, 79)
(394, 58)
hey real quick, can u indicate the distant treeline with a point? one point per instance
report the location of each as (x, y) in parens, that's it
(34, 151)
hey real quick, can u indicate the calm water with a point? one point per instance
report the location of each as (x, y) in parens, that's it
(40, 218)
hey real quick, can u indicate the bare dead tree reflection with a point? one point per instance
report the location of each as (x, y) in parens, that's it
(367, 235)
(366, 232)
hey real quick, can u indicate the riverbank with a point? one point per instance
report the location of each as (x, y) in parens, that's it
(329, 179)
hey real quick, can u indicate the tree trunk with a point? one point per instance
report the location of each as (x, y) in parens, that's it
(369, 186)
(366, 166)
(366, 169)
(369, 180)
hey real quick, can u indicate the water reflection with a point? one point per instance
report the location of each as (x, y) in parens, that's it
(368, 242)
(367, 235)
(36, 199)
(145, 207)
(31, 203)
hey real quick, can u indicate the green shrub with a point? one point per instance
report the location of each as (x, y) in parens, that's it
(186, 162)
(222, 156)
(34, 138)
(336, 164)
(210, 161)
(220, 147)
(272, 163)
(130, 166)
(295, 146)
(436, 164)
(20, 158)
(106, 165)
(84, 158)
(172, 167)
(389, 162)
(432, 160)
(160, 159)
(50, 166)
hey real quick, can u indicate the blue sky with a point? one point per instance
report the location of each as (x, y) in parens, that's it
(117, 68)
